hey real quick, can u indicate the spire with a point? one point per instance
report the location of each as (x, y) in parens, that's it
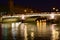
(11, 6)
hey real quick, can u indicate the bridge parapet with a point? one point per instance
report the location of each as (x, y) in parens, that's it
(29, 15)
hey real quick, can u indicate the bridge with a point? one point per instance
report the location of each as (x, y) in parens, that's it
(31, 16)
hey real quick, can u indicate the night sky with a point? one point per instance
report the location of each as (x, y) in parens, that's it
(37, 4)
(3, 2)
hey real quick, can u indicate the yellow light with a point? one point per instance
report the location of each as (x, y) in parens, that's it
(31, 11)
(32, 34)
(38, 23)
(25, 10)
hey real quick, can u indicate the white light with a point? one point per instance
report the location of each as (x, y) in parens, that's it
(57, 9)
(23, 17)
(52, 16)
(53, 8)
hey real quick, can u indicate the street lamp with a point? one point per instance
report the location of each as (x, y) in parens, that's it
(25, 10)
(54, 8)
(57, 9)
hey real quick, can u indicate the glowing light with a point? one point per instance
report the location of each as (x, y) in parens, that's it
(32, 34)
(25, 10)
(44, 25)
(25, 31)
(17, 25)
(23, 17)
(52, 16)
(37, 23)
(55, 34)
(53, 8)
(57, 10)
(12, 25)
(31, 11)
(13, 31)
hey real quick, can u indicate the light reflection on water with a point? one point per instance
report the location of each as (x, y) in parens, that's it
(27, 31)
(4, 31)
(55, 33)
(13, 31)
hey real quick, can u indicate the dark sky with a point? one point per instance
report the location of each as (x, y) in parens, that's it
(3, 2)
(38, 4)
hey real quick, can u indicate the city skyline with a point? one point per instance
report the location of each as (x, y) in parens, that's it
(43, 5)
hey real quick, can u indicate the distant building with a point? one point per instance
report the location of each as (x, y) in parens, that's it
(15, 9)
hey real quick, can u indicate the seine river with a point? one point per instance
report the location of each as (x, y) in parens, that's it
(29, 31)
